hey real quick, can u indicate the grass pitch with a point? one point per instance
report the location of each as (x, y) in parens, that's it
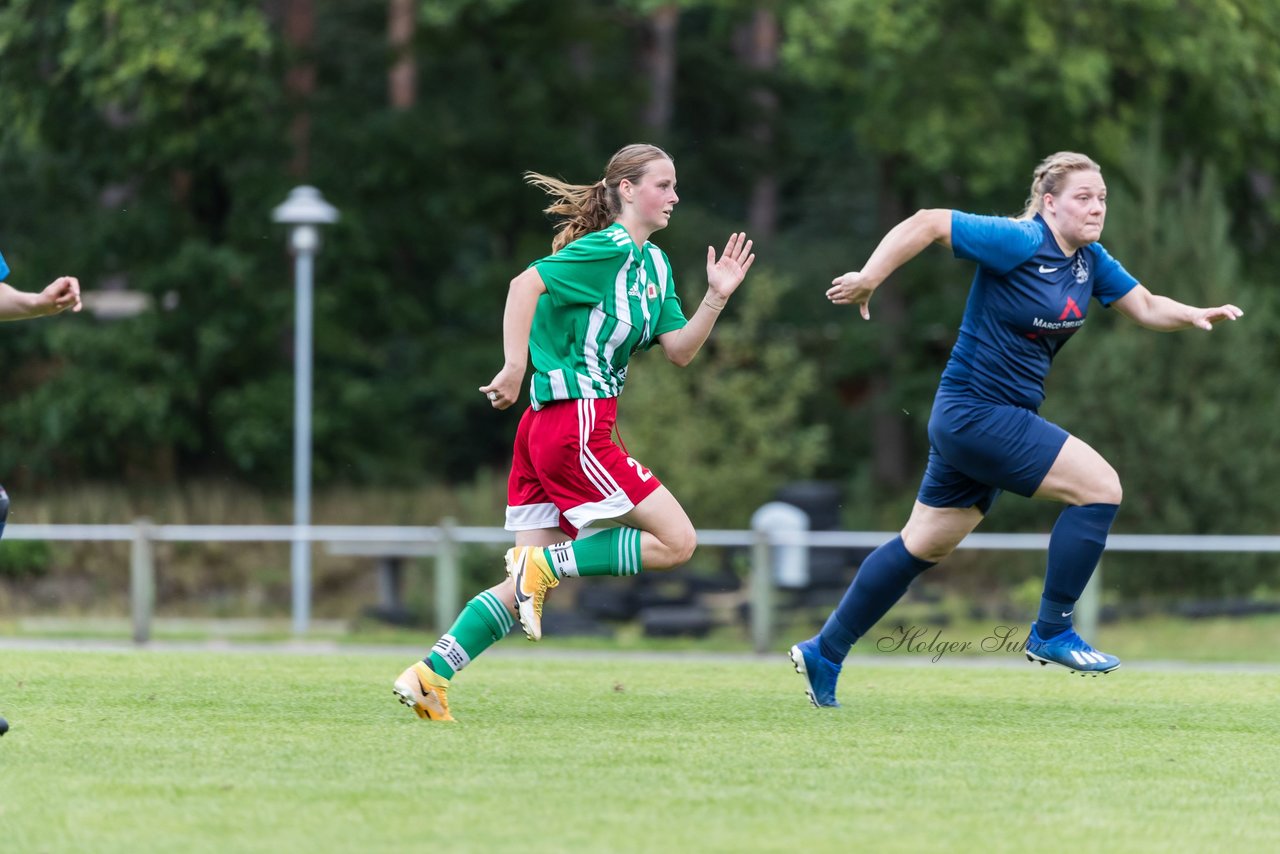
(552, 752)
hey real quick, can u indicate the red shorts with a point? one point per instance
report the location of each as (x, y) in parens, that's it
(566, 469)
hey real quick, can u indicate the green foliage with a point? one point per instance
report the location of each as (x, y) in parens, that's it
(144, 124)
(23, 558)
(1040, 77)
(724, 433)
(168, 66)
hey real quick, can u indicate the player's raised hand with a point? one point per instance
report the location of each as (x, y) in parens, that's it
(727, 272)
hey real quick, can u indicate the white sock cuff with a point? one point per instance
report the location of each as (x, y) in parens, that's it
(563, 560)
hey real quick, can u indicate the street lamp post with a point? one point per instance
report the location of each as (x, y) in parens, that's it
(304, 210)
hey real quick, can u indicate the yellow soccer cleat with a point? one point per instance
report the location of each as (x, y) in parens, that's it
(425, 691)
(533, 577)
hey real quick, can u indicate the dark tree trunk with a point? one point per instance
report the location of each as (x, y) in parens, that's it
(758, 48)
(892, 467)
(402, 77)
(300, 79)
(658, 56)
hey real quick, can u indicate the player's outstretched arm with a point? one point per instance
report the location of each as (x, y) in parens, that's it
(62, 293)
(904, 241)
(1167, 315)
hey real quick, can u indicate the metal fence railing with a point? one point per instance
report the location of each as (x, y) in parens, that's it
(443, 542)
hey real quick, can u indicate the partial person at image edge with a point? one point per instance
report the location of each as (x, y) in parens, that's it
(59, 295)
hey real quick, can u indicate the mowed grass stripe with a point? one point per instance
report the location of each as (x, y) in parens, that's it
(248, 752)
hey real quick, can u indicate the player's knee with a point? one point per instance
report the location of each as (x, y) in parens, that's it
(929, 552)
(685, 545)
(690, 546)
(927, 545)
(1107, 490)
(681, 546)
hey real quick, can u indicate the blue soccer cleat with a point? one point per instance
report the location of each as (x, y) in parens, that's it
(819, 674)
(1071, 651)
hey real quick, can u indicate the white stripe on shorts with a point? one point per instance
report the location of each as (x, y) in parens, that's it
(591, 467)
(610, 508)
(531, 517)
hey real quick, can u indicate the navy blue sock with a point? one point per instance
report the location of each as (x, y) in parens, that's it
(1075, 546)
(880, 582)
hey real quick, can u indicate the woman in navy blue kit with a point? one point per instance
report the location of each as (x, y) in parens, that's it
(1036, 274)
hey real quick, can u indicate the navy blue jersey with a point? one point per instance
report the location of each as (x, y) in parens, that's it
(4, 269)
(1026, 300)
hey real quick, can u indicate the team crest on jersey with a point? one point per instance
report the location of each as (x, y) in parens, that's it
(650, 290)
(1081, 268)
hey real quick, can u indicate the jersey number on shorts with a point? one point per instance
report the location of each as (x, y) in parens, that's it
(643, 472)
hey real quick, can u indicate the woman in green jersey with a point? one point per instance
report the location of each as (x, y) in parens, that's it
(604, 293)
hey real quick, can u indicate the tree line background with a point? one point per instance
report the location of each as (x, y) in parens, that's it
(143, 144)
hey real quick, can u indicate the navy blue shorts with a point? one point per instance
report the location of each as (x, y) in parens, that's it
(977, 450)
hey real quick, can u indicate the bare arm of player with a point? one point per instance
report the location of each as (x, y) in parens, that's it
(517, 319)
(904, 241)
(723, 277)
(62, 293)
(1166, 315)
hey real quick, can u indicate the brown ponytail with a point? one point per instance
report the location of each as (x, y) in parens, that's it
(591, 207)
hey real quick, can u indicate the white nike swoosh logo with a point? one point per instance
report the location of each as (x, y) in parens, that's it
(1068, 613)
(1044, 269)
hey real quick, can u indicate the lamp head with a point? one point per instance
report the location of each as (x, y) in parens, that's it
(305, 206)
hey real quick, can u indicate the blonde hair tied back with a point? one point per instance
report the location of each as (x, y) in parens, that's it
(1051, 174)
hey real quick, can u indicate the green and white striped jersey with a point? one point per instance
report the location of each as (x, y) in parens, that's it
(606, 298)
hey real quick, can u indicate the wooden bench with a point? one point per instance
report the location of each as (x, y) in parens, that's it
(390, 557)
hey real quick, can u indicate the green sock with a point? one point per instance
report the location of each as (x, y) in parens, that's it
(614, 551)
(484, 622)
